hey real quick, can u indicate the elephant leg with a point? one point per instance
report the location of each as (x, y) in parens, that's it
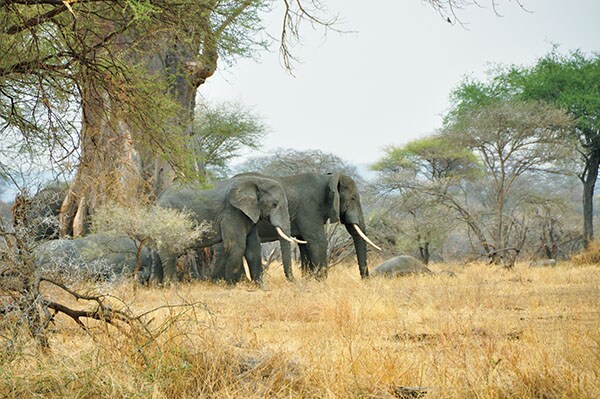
(234, 247)
(154, 274)
(253, 256)
(218, 266)
(305, 262)
(168, 270)
(286, 258)
(202, 261)
(314, 254)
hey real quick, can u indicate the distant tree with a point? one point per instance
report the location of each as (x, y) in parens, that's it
(220, 132)
(511, 139)
(288, 162)
(418, 179)
(548, 205)
(570, 82)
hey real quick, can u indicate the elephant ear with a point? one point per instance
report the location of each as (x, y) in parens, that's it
(333, 198)
(244, 196)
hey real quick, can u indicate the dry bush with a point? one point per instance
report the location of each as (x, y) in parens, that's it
(589, 255)
(486, 333)
(156, 226)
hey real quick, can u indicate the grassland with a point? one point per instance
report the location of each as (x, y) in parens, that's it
(486, 333)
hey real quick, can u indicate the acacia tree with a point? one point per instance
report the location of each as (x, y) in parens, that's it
(419, 179)
(570, 82)
(220, 132)
(511, 139)
(289, 161)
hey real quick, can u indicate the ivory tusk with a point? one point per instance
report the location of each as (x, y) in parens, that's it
(246, 269)
(364, 237)
(290, 239)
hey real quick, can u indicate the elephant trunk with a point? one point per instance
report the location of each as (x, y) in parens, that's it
(360, 246)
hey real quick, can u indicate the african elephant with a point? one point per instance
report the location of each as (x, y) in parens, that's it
(405, 265)
(96, 256)
(312, 200)
(39, 214)
(233, 207)
(401, 265)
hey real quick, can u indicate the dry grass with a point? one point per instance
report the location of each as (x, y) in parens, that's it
(588, 256)
(487, 333)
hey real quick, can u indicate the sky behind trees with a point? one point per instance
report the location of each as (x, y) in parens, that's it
(387, 80)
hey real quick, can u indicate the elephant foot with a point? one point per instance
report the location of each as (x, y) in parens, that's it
(261, 285)
(321, 274)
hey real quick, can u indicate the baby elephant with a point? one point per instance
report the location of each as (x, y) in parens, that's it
(95, 257)
(543, 263)
(401, 265)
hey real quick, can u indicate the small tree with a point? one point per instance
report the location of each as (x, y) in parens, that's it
(419, 179)
(220, 132)
(511, 139)
(289, 161)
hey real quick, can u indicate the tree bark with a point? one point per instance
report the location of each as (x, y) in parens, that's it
(589, 182)
(106, 170)
(111, 168)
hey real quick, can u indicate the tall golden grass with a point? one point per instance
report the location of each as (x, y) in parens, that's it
(486, 333)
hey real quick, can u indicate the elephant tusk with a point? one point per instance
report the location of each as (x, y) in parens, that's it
(246, 269)
(364, 237)
(290, 239)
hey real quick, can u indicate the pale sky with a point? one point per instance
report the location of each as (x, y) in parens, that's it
(389, 82)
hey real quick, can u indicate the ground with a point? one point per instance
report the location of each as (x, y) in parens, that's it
(486, 333)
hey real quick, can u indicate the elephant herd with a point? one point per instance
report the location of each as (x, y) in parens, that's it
(243, 211)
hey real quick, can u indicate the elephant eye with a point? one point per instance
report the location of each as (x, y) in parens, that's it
(274, 204)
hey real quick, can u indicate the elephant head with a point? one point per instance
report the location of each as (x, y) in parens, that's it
(262, 199)
(344, 207)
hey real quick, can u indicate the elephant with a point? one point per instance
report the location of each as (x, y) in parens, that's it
(39, 214)
(400, 266)
(233, 207)
(312, 200)
(543, 263)
(404, 265)
(96, 256)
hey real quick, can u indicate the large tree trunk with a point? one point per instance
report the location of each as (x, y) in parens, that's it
(111, 169)
(106, 170)
(589, 182)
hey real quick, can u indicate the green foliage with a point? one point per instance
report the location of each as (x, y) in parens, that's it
(49, 52)
(428, 159)
(220, 132)
(571, 82)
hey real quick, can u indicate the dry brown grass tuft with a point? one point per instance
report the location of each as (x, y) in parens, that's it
(588, 256)
(487, 333)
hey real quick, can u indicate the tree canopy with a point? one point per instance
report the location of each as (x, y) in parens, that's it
(570, 82)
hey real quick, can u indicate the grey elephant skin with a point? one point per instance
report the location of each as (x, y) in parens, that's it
(313, 199)
(543, 263)
(233, 207)
(96, 257)
(401, 265)
(42, 211)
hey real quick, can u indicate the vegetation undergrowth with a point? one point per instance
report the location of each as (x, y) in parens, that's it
(486, 333)
(589, 255)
